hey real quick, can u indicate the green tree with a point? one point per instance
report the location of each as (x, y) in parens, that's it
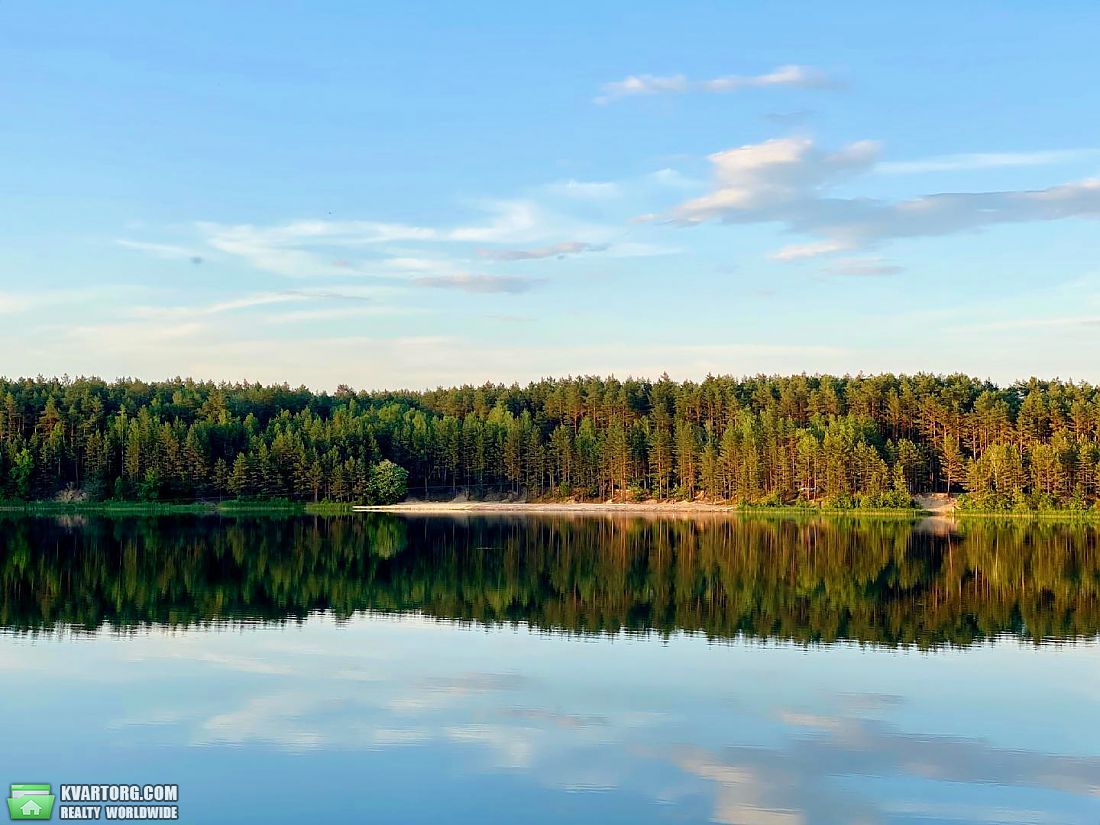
(389, 483)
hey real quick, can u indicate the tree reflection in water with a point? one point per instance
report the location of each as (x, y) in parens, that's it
(882, 581)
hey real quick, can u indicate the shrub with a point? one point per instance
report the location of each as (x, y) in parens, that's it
(388, 484)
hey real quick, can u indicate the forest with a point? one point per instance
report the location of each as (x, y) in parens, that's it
(852, 441)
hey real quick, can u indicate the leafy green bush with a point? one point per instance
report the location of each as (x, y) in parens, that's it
(388, 484)
(891, 500)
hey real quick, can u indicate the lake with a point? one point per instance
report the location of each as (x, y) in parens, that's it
(378, 668)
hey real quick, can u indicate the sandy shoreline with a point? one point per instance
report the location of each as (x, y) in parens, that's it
(678, 508)
(546, 507)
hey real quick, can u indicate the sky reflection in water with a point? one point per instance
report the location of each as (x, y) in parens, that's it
(777, 672)
(381, 717)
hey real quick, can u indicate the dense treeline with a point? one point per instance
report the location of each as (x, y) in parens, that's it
(811, 580)
(872, 441)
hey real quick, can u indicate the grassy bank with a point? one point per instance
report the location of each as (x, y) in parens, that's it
(154, 508)
(284, 507)
(811, 510)
(1092, 515)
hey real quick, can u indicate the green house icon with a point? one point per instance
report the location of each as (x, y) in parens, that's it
(31, 808)
(30, 802)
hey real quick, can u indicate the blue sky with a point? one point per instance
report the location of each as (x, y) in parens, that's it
(433, 193)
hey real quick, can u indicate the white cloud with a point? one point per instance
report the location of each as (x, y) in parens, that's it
(870, 266)
(480, 284)
(558, 250)
(313, 248)
(515, 220)
(121, 337)
(776, 173)
(801, 251)
(257, 300)
(1064, 322)
(17, 302)
(260, 299)
(791, 182)
(585, 190)
(644, 84)
(639, 249)
(412, 264)
(292, 249)
(265, 250)
(251, 350)
(340, 313)
(984, 160)
(804, 77)
(11, 303)
(349, 233)
(168, 252)
(674, 179)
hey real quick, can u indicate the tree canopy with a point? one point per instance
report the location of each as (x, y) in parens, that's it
(847, 441)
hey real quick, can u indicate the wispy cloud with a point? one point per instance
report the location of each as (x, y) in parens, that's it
(801, 251)
(640, 249)
(339, 313)
(789, 120)
(129, 336)
(558, 250)
(585, 190)
(302, 249)
(674, 179)
(11, 303)
(17, 302)
(514, 219)
(1062, 322)
(479, 284)
(985, 160)
(865, 267)
(164, 251)
(257, 300)
(249, 348)
(804, 77)
(294, 249)
(217, 308)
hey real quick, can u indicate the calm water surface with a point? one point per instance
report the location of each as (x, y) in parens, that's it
(427, 670)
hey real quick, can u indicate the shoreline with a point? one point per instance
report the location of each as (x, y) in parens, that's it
(939, 515)
(629, 508)
(140, 508)
(931, 511)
